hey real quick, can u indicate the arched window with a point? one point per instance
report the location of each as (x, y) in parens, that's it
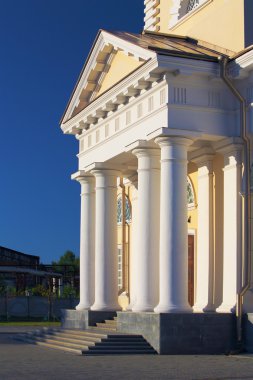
(181, 8)
(190, 194)
(192, 5)
(127, 210)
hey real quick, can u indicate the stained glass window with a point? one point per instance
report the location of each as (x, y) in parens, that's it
(120, 269)
(192, 4)
(127, 210)
(190, 194)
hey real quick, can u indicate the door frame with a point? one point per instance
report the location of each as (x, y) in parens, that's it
(193, 232)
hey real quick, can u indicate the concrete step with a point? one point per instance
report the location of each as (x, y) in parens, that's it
(121, 347)
(55, 346)
(94, 341)
(96, 333)
(125, 343)
(57, 342)
(85, 341)
(118, 352)
(103, 326)
(88, 337)
(110, 322)
(62, 348)
(133, 338)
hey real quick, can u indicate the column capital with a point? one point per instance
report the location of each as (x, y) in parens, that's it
(173, 140)
(105, 167)
(105, 178)
(139, 144)
(98, 172)
(82, 176)
(146, 152)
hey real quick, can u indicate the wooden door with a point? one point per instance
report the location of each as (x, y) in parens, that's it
(191, 269)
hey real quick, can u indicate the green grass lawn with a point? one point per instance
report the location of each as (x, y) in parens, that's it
(30, 323)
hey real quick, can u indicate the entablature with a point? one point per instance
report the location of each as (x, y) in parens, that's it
(135, 84)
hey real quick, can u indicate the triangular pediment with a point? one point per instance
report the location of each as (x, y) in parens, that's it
(121, 66)
(111, 59)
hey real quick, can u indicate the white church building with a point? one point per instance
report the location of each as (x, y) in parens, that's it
(164, 123)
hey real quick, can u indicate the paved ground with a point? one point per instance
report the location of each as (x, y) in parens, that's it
(28, 362)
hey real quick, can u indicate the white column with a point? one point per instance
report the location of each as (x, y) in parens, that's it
(133, 248)
(148, 229)
(173, 226)
(87, 246)
(106, 253)
(205, 254)
(232, 241)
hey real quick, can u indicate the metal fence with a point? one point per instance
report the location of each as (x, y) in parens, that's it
(34, 307)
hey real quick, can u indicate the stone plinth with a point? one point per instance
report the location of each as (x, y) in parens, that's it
(183, 333)
(248, 332)
(82, 319)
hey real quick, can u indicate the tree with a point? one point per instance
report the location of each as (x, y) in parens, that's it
(68, 265)
(67, 259)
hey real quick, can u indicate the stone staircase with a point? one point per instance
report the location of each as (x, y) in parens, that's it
(102, 339)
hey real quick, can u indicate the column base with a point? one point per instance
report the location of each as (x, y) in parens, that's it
(225, 308)
(98, 307)
(198, 308)
(172, 309)
(131, 305)
(142, 308)
(82, 306)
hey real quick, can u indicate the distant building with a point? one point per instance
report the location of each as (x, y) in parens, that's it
(17, 269)
(11, 257)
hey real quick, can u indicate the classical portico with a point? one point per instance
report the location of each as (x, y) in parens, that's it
(161, 131)
(159, 248)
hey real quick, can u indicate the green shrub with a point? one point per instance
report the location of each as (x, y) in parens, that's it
(40, 290)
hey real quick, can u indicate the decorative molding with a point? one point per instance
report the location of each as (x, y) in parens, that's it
(179, 95)
(152, 12)
(121, 119)
(110, 100)
(95, 68)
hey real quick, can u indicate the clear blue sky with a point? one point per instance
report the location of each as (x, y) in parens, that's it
(43, 45)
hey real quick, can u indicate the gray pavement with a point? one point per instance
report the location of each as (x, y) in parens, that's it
(28, 362)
